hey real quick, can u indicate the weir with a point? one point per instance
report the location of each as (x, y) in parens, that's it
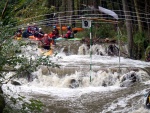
(73, 58)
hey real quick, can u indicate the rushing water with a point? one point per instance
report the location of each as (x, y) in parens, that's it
(75, 88)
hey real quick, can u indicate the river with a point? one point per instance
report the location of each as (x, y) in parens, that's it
(86, 84)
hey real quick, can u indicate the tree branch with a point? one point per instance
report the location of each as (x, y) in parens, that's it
(4, 9)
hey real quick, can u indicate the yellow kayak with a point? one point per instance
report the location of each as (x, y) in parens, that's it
(46, 53)
(18, 38)
(49, 53)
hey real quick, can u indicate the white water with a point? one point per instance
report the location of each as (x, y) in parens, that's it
(104, 72)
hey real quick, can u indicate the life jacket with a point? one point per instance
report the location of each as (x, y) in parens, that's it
(51, 35)
(29, 29)
(56, 32)
(18, 33)
(47, 41)
(68, 34)
(38, 35)
(71, 35)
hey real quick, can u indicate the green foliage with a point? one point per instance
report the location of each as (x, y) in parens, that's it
(23, 106)
(139, 38)
(8, 15)
(123, 38)
(99, 31)
(24, 11)
(147, 51)
(10, 55)
(32, 10)
(139, 47)
(104, 30)
(85, 33)
(34, 106)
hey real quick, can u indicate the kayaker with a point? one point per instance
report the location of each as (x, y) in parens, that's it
(56, 31)
(53, 36)
(18, 33)
(39, 34)
(30, 30)
(46, 42)
(69, 33)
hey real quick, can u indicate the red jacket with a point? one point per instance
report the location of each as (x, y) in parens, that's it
(51, 35)
(47, 41)
(67, 35)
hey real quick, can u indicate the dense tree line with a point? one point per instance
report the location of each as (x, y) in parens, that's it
(133, 13)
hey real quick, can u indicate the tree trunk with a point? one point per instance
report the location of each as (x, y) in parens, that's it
(128, 27)
(76, 6)
(6, 4)
(70, 9)
(147, 15)
(138, 16)
(120, 9)
(62, 15)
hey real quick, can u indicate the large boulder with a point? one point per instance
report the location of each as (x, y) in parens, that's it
(129, 79)
(74, 83)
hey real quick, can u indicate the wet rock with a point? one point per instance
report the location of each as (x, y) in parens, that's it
(74, 83)
(113, 50)
(129, 79)
(45, 69)
(126, 83)
(104, 84)
(15, 83)
(86, 40)
(108, 40)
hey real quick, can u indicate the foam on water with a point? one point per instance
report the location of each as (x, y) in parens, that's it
(114, 61)
(55, 91)
(55, 85)
(123, 104)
